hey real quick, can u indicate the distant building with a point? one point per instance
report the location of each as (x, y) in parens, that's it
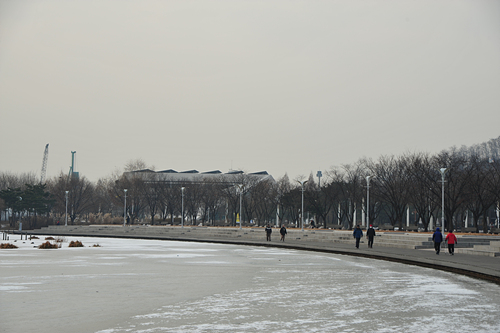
(194, 176)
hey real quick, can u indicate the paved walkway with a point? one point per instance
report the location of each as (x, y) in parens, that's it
(482, 267)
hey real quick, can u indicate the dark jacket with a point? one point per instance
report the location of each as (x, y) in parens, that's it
(437, 237)
(269, 230)
(358, 233)
(370, 232)
(283, 231)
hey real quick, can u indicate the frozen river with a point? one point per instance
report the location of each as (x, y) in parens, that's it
(164, 286)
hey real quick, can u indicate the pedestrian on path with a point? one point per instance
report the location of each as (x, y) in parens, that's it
(370, 233)
(437, 237)
(269, 230)
(282, 232)
(452, 240)
(357, 234)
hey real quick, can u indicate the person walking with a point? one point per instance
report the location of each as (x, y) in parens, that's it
(437, 237)
(452, 240)
(282, 232)
(269, 230)
(370, 233)
(357, 234)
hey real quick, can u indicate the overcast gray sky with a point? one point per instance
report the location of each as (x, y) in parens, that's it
(283, 86)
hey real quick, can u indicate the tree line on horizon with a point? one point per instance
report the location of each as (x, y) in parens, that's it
(398, 184)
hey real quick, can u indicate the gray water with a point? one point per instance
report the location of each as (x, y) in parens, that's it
(159, 286)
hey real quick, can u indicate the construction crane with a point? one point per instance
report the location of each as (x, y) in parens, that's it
(44, 163)
(72, 172)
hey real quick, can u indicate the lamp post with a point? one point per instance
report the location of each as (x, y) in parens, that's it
(443, 171)
(367, 201)
(240, 186)
(302, 211)
(66, 223)
(19, 219)
(182, 207)
(125, 208)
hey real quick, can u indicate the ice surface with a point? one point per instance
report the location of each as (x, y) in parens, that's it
(162, 286)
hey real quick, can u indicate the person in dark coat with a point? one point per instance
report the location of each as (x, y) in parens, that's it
(437, 237)
(269, 230)
(283, 232)
(370, 233)
(357, 234)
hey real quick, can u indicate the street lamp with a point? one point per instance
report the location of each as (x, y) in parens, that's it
(19, 219)
(125, 208)
(443, 171)
(241, 198)
(302, 183)
(367, 201)
(182, 207)
(66, 223)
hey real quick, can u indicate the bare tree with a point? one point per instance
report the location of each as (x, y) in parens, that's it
(348, 182)
(283, 188)
(136, 204)
(80, 192)
(264, 197)
(321, 200)
(478, 196)
(456, 180)
(393, 180)
(152, 191)
(138, 164)
(422, 181)
(211, 200)
(193, 203)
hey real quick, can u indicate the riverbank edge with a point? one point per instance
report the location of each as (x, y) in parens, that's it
(387, 254)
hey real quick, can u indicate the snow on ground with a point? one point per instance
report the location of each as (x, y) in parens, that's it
(164, 286)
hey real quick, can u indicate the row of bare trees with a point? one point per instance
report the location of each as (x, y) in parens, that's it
(397, 184)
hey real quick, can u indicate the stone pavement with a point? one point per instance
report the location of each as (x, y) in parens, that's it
(407, 248)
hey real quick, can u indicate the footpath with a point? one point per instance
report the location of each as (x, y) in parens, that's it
(476, 256)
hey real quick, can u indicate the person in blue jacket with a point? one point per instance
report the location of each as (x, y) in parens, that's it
(358, 233)
(437, 237)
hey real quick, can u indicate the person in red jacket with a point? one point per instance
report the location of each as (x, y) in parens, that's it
(452, 240)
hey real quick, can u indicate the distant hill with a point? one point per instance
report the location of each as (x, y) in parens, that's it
(487, 150)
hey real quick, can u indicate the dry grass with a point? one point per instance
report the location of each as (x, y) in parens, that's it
(7, 246)
(49, 238)
(96, 245)
(48, 245)
(75, 244)
(33, 237)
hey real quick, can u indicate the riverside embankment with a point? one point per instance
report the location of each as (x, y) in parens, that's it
(477, 256)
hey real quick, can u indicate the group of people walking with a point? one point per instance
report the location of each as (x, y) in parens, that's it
(451, 239)
(358, 233)
(437, 237)
(269, 231)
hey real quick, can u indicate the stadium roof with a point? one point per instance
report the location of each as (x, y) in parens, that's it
(170, 175)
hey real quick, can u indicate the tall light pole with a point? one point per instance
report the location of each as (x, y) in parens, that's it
(66, 223)
(125, 208)
(182, 204)
(240, 186)
(367, 201)
(443, 171)
(302, 183)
